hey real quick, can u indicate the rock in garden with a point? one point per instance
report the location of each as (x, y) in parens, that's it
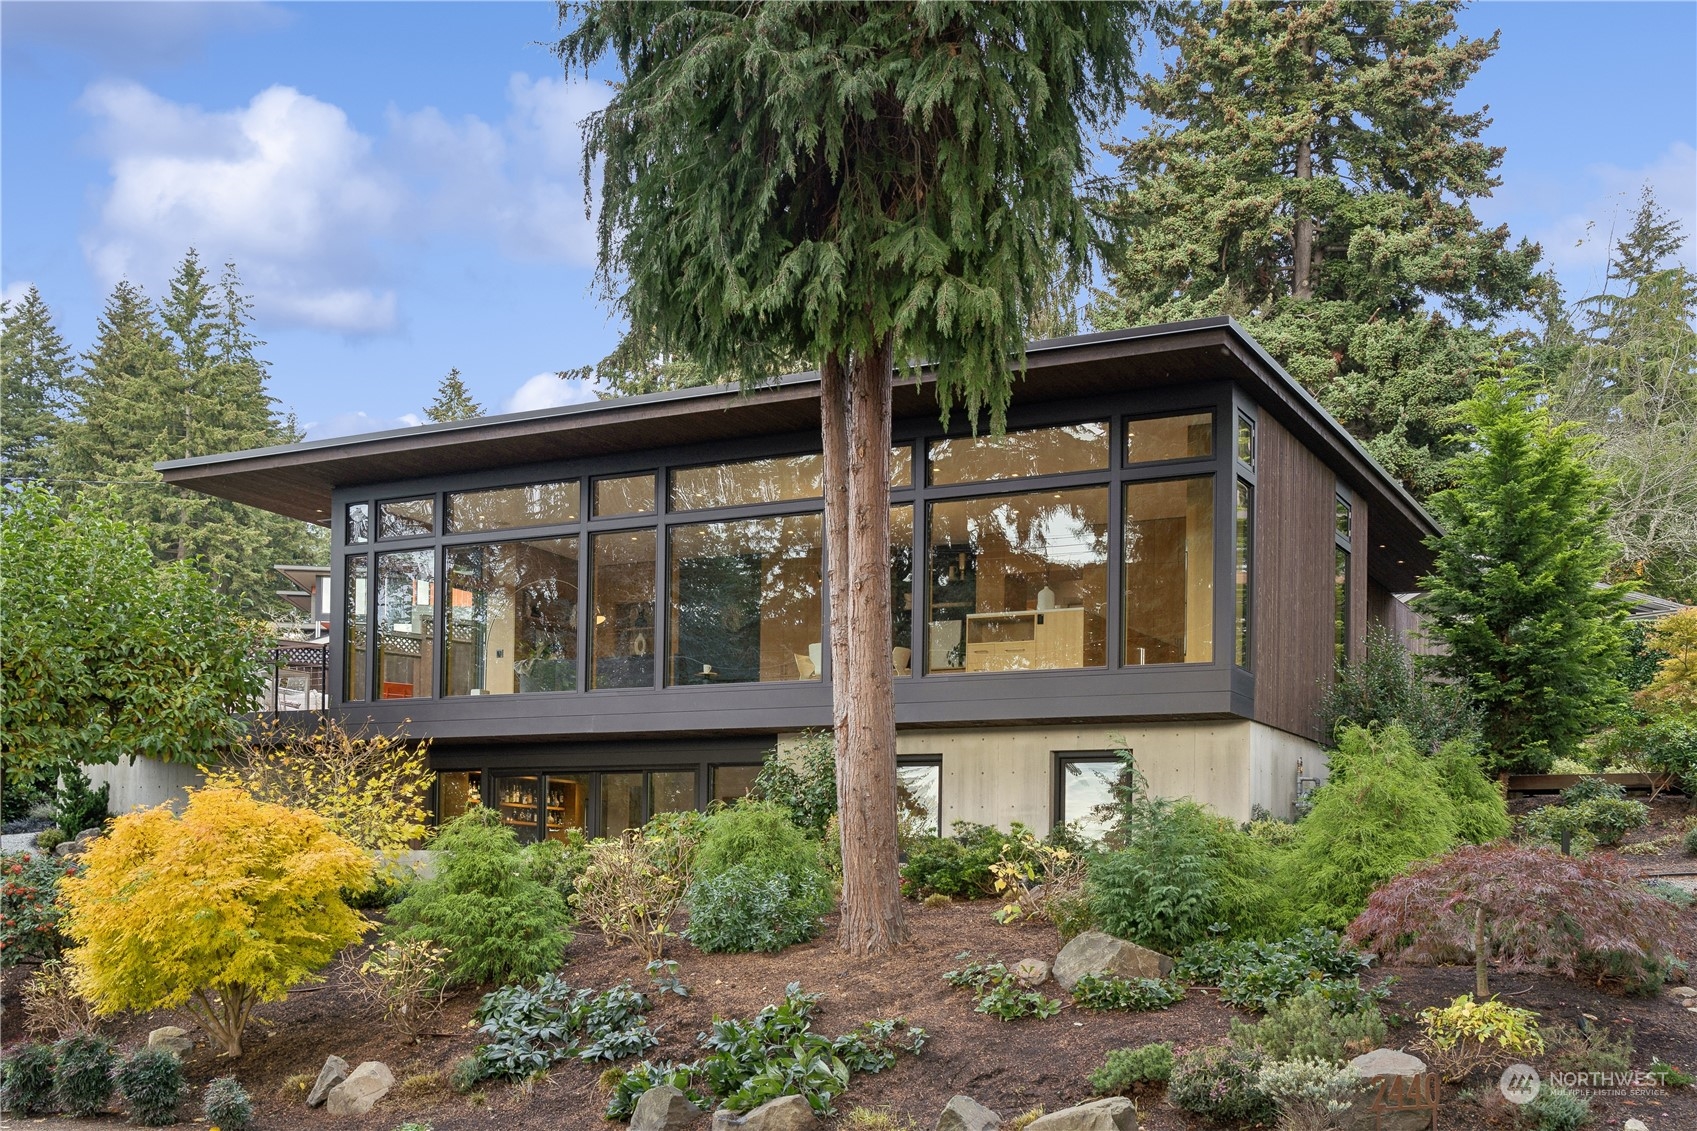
(1114, 1114)
(1031, 972)
(1096, 953)
(1387, 1062)
(1390, 1096)
(663, 1108)
(172, 1038)
(364, 1086)
(1682, 992)
(335, 1070)
(786, 1113)
(1634, 1125)
(963, 1113)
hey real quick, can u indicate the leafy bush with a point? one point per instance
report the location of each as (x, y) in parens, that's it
(26, 1079)
(740, 910)
(629, 1084)
(1385, 688)
(1310, 1026)
(1221, 1084)
(48, 839)
(496, 922)
(1127, 1070)
(1481, 810)
(1527, 910)
(30, 912)
(79, 806)
(1311, 1092)
(531, 1029)
(1041, 882)
(1383, 809)
(804, 782)
(153, 1085)
(632, 886)
(999, 993)
(405, 980)
(958, 866)
(1094, 991)
(1162, 890)
(1591, 788)
(1691, 843)
(758, 834)
(1259, 975)
(1670, 1076)
(1600, 820)
(82, 1074)
(1467, 1035)
(226, 1105)
(1592, 1050)
(557, 864)
(153, 906)
(1555, 1108)
(372, 787)
(1673, 688)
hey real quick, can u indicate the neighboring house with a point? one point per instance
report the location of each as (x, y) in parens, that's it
(605, 610)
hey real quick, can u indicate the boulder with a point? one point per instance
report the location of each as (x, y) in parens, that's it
(1393, 1093)
(1682, 992)
(1387, 1062)
(172, 1038)
(1113, 1114)
(1096, 953)
(1030, 972)
(786, 1113)
(963, 1113)
(663, 1108)
(362, 1089)
(1634, 1125)
(335, 1070)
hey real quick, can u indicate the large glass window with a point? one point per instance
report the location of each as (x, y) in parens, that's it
(732, 782)
(901, 589)
(457, 794)
(919, 795)
(1340, 603)
(1157, 438)
(744, 601)
(901, 465)
(354, 595)
(503, 508)
(628, 800)
(1018, 582)
(625, 494)
(535, 805)
(512, 617)
(1169, 571)
(621, 587)
(358, 528)
(1243, 525)
(751, 481)
(1085, 795)
(406, 518)
(405, 612)
(1021, 454)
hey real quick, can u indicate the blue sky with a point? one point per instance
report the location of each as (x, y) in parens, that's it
(398, 183)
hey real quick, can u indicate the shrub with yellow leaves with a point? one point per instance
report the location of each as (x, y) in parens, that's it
(1039, 881)
(228, 905)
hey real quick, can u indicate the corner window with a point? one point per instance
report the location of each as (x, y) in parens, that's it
(1246, 440)
(1169, 572)
(1084, 792)
(1158, 438)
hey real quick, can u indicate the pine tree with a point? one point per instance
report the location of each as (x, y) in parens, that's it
(850, 183)
(453, 401)
(1307, 173)
(34, 365)
(1629, 374)
(1515, 593)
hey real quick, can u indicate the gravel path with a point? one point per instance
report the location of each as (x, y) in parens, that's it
(17, 842)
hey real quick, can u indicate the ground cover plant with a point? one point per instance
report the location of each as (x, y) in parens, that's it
(150, 909)
(1311, 1026)
(532, 1028)
(1128, 1070)
(1259, 975)
(1221, 1084)
(1105, 991)
(997, 992)
(1522, 910)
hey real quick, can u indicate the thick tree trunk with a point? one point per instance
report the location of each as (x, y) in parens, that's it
(1302, 283)
(866, 746)
(833, 427)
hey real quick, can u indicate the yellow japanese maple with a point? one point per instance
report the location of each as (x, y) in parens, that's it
(228, 905)
(1674, 687)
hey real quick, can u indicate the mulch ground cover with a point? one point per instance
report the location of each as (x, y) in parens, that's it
(1011, 1067)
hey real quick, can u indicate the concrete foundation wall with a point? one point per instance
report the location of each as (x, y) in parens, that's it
(142, 783)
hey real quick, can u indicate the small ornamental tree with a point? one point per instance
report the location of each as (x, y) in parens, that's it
(1528, 910)
(1673, 689)
(224, 907)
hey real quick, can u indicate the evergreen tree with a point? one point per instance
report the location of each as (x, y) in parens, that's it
(851, 183)
(34, 364)
(453, 401)
(1516, 592)
(1307, 172)
(1628, 372)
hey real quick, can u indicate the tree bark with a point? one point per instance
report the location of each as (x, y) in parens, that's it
(833, 427)
(872, 921)
(1481, 955)
(1302, 284)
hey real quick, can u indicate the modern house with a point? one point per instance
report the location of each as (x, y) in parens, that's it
(606, 610)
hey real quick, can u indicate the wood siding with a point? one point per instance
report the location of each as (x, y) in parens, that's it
(1384, 608)
(1294, 523)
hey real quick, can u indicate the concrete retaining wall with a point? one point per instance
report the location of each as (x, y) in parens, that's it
(142, 783)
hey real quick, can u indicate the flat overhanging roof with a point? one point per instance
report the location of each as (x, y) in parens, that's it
(297, 479)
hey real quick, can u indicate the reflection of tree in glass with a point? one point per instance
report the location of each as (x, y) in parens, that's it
(737, 585)
(1014, 455)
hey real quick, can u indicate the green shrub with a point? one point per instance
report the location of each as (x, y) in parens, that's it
(998, 993)
(1557, 1109)
(740, 910)
(29, 906)
(226, 1105)
(1691, 843)
(558, 864)
(628, 1084)
(1094, 991)
(957, 866)
(1387, 688)
(1127, 1070)
(1383, 809)
(1163, 889)
(80, 807)
(26, 1079)
(1258, 975)
(1481, 811)
(496, 922)
(387, 888)
(759, 835)
(804, 782)
(1593, 1050)
(1309, 1026)
(82, 1073)
(153, 1085)
(1310, 1092)
(1597, 821)
(1220, 1083)
(1591, 788)
(48, 839)
(468, 1072)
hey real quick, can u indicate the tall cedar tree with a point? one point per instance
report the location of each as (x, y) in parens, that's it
(34, 363)
(1626, 368)
(1516, 591)
(181, 380)
(850, 183)
(1306, 172)
(453, 401)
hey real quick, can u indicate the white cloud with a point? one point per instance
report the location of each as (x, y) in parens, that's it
(356, 423)
(310, 209)
(14, 291)
(157, 34)
(548, 390)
